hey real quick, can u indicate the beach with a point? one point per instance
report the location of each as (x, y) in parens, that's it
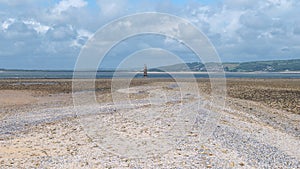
(160, 125)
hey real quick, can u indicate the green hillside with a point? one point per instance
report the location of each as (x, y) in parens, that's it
(269, 66)
(264, 66)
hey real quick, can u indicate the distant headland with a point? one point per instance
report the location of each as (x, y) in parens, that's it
(254, 66)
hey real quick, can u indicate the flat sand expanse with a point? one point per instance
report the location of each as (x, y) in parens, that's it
(166, 125)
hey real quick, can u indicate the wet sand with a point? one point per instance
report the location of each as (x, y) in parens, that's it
(259, 126)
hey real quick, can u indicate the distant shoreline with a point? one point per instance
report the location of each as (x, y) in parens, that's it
(287, 72)
(151, 75)
(152, 72)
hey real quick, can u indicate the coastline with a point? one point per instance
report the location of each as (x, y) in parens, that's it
(153, 75)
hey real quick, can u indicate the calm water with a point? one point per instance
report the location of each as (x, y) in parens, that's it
(101, 75)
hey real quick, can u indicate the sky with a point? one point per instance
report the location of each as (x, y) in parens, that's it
(50, 34)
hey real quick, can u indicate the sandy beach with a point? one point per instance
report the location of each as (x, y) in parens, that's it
(164, 126)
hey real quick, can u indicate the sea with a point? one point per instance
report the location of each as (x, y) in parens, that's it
(108, 75)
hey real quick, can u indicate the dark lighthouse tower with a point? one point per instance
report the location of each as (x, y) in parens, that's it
(145, 71)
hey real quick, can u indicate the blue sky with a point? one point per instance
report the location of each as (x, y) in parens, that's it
(38, 34)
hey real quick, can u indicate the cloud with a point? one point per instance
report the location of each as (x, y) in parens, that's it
(37, 26)
(65, 5)
(19, 31)
(18, 40)
(7, 23)
(244, 30)
(255, 20)
(61, 33)
(28, 38)
(241, 30)
(280, 3)
(82, 36)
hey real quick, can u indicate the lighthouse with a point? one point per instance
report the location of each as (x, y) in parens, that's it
(145, 71)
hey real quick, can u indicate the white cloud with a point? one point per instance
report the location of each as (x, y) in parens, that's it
(280, 3)
(61, 33)
(38, 27)
(30, 23)
(64, 5)
(7, 23)
(240, 29)
(226, 22)
(84, 33)
(82, 36)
